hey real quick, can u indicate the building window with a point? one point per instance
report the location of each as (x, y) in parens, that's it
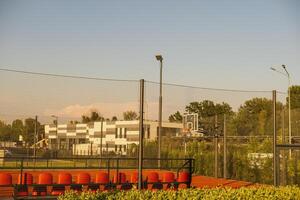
(124, 147)
(148, 132)
(121, 132)
(116, 132)
(125, 132)
(116, 148)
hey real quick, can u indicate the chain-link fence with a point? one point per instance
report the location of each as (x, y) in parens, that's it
(229, 133)
(242, 120)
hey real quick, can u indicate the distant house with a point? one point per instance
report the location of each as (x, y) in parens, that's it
(115, 136)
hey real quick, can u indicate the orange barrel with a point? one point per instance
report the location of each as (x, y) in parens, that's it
(83, 178)
(102, 178)
(26, 179)
(45, 178)
(168, 177)
(120, 178)
(183, 177)
(5, 179)
(134, 177)
(153, 177)
(64, 178)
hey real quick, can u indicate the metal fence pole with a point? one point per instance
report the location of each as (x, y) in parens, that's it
(141, 135)
(275, 167)
(225, 148)
(216, 148)
(101, 138)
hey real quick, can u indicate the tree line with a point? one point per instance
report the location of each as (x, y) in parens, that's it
(26, 129)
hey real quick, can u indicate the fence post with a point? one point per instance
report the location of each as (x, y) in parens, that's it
(141, 136)
(216, 152)
(190, 173)
(274, 140)
(225, 148)
(117, 174)
(108, 168)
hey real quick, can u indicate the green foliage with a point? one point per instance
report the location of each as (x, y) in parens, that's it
(11, 132)
(254, 117)
(130, 115)
(176, 117)
(258, 193)
(295, 96)
(94, 116)
(207, 111)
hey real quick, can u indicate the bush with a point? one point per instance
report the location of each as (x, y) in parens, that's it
(269, 193)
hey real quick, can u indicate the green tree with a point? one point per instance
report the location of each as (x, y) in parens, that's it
(94, 116)
(17, 129)
(114, 118)
(295, 96)
(254, 117)
(208, 113)
(176, 117)
(130, 115)
(5, 132)
(29, 130)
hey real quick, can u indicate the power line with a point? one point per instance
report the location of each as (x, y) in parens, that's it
(215, 89)
(65, 76)
(126, 80)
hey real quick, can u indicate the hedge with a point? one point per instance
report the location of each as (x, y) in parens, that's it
(278, 193)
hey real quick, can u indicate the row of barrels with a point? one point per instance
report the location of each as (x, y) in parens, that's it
(101, 180)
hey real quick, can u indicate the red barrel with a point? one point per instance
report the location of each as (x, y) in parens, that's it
(183, 177)
(45, 178)
(102, 178)
(120, 178)
(134, 177)
(64, 178)
(168, 177)
(83, 178)
(5, 179)
(26, 179)
(153, 177)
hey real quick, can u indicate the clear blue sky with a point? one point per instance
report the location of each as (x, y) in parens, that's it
(222, 44)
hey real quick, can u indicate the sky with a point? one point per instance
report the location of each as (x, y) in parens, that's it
(217, 44)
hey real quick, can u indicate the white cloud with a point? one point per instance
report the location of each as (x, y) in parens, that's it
(111, 109)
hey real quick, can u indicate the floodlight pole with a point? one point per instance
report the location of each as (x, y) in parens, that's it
(287, 74)
(160, 59)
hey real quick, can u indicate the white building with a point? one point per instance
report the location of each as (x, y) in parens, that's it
(114, 136)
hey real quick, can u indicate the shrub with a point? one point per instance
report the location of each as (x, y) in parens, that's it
(269, 193)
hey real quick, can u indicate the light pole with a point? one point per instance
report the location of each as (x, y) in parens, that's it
(56, 143)
(160, 59)
(287, 74)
